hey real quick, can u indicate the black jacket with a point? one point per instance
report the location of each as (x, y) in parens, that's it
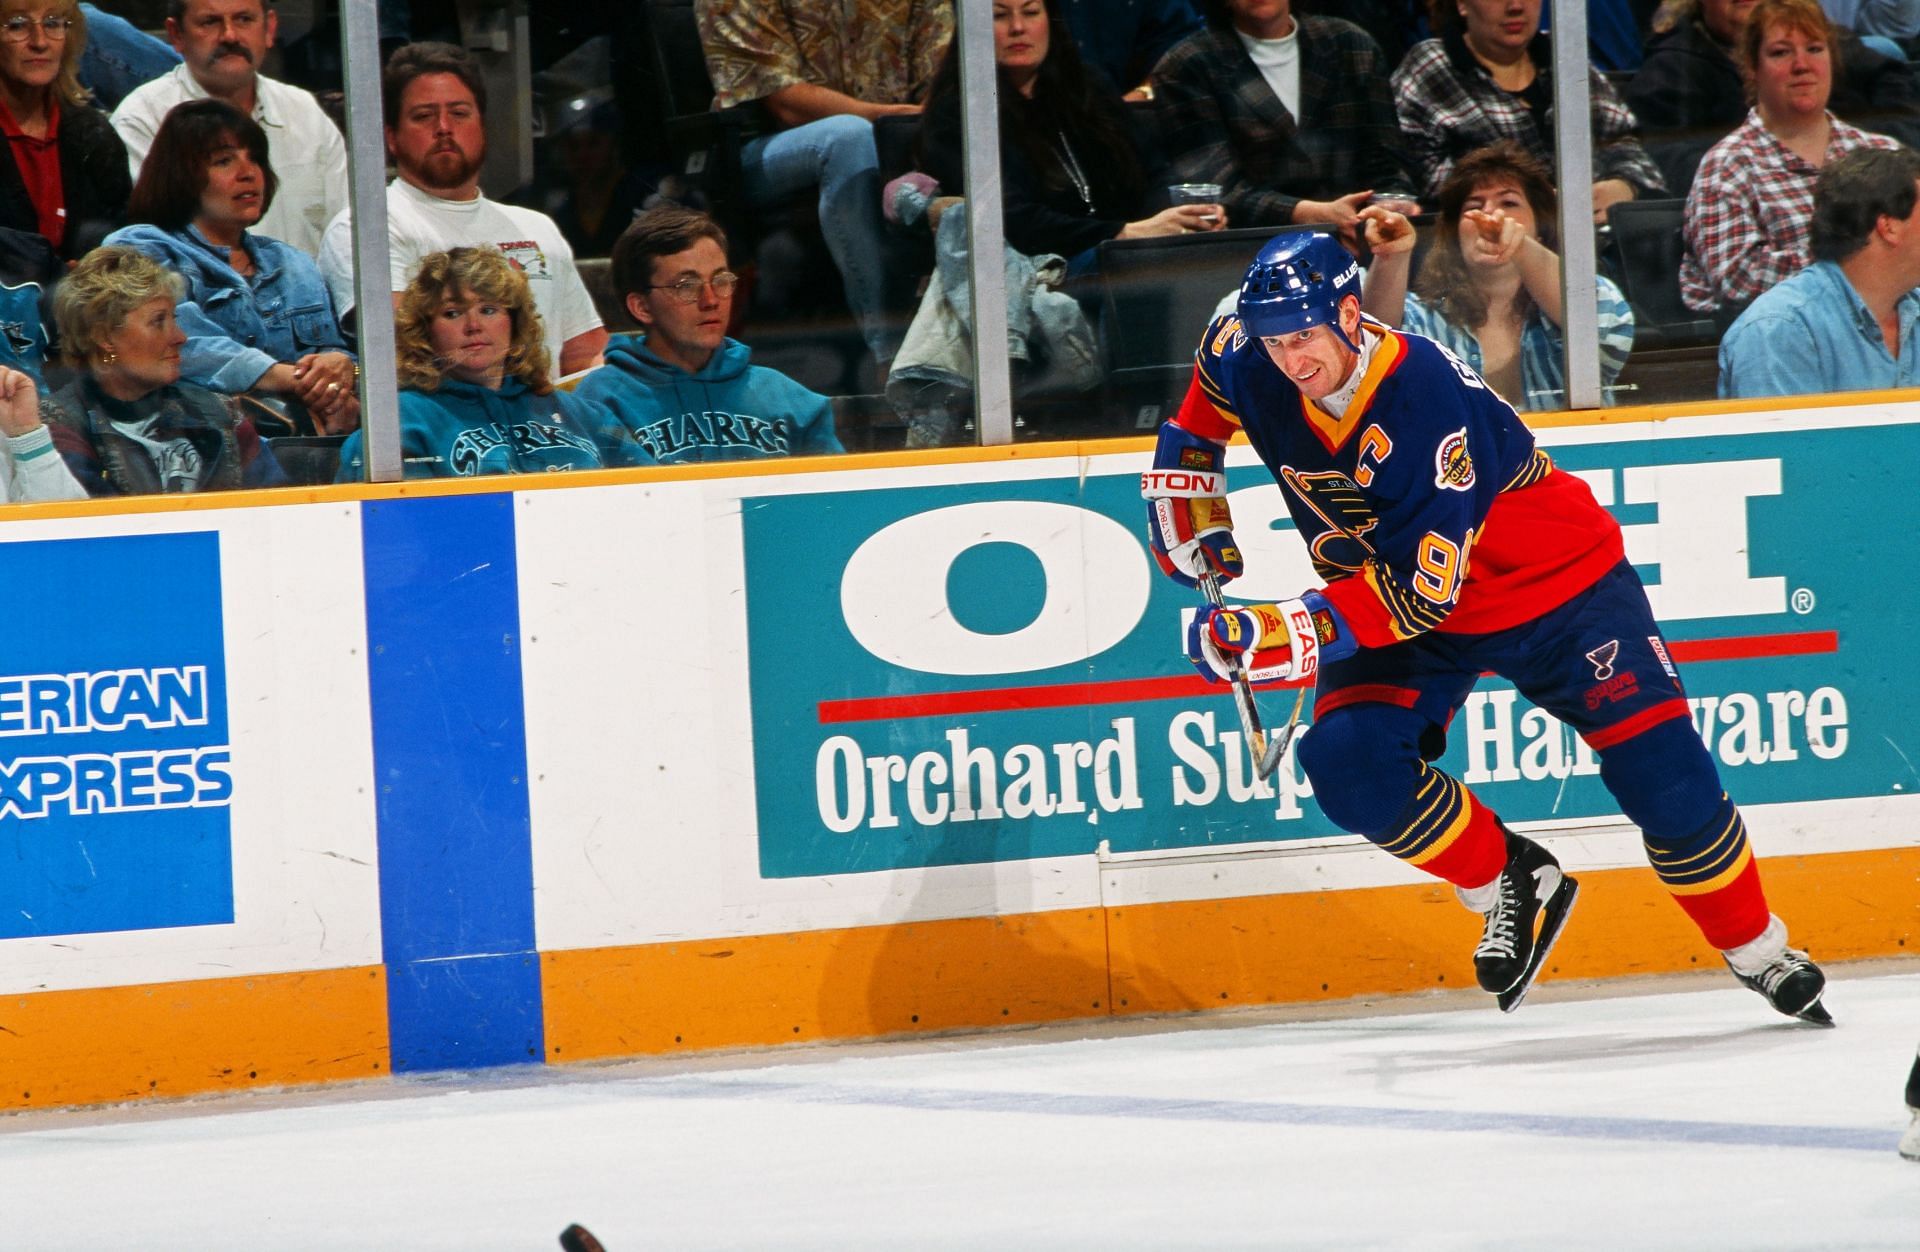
(1222, 123)
(93, 177)
(1045, 214)
(1687, 96)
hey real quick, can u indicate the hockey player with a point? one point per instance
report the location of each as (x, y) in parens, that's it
(1450, 545)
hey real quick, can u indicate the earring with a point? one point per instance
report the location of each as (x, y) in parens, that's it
(108, 358)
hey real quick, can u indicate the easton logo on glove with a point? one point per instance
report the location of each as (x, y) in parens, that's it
(1181, 484)
(1188, 524)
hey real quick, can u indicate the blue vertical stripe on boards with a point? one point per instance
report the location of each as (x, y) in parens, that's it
(450, 762)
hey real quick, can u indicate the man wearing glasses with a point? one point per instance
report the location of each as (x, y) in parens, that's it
(685, 390)
(224, 42)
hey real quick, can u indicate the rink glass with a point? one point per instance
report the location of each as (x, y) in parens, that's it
(568, 135)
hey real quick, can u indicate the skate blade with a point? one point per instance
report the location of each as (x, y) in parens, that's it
(1910, 1142)
(1553, 918)
(1817, 1014)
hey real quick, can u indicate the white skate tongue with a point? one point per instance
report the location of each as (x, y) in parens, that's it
(1755, 955)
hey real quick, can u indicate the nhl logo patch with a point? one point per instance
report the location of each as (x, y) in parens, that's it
(1452, 467)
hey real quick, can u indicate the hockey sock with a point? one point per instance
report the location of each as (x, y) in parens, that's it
(1712, 875)
(1445, 832)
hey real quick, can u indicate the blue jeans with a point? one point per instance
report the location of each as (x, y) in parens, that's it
(837, 156)
(119, 56)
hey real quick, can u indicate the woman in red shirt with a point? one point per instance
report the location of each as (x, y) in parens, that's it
(65, 176)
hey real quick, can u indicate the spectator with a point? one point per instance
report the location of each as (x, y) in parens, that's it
(594, 195)
(30, 468)
(1849, 321)
(128, 425)
(435, 102)
(1489, 290)
(224, 42)
(1613, 35)
(1395, 25)
(823, 70)
(1897, 20)
(1688, 93)
(475, 393)
(28, 271)
(66, 173)
(1073, 171)
(119, 56)
(1125, 39)
(684, 389)
(1489, 76)
(1292, 116)
(256, 311)
(1750, 204)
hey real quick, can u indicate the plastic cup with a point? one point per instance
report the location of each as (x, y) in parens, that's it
(1194, 193)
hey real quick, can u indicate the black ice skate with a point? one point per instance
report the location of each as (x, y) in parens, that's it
(1790, 982)
(1910, 1142)
(1531, 906)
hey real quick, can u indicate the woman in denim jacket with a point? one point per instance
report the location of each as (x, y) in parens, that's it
(257, 314)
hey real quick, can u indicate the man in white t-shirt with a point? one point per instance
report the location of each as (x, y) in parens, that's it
(435, 103)
(223, 43)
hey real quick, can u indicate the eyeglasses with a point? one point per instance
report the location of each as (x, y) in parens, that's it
(15, 28)
(687, 290)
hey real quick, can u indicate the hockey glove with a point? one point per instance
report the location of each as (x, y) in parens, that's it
(1275, 642)
(1187, 519)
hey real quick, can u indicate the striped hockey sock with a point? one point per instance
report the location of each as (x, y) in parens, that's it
(1712, 875)
(1445, 832)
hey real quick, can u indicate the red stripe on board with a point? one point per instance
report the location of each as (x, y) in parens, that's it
(1003, 699)
(1006, 699)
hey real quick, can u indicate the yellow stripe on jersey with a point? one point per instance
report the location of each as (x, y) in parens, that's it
(1411, 615)
(1536, 468)
(1215, 395)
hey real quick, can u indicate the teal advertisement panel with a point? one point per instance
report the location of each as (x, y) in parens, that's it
(990, 671)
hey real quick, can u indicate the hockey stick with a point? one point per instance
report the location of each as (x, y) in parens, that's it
(1266, 752)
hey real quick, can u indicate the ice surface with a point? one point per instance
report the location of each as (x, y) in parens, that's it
(1692, 1118)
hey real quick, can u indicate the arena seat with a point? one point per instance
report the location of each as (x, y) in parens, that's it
(1648, 246)
(309, 460)
(1157, 296)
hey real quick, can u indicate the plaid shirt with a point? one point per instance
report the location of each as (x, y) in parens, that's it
(1449, 106)
(879, 51)
(1543, 372)
(1750, 211)
(1221, 122)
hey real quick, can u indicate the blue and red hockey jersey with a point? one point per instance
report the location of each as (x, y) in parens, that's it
(1427, 505)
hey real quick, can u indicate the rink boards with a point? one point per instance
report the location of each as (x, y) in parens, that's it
(311, 785)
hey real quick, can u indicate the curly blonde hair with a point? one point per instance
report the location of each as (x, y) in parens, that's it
(464, 274)
(96, 296)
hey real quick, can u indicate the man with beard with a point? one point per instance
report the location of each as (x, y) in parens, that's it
(223, 43)
(435, 103)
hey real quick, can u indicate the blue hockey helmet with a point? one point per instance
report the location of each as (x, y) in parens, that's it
(1296, 283)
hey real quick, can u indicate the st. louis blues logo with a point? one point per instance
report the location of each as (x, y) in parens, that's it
(1602, 658)
(1452, 467)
